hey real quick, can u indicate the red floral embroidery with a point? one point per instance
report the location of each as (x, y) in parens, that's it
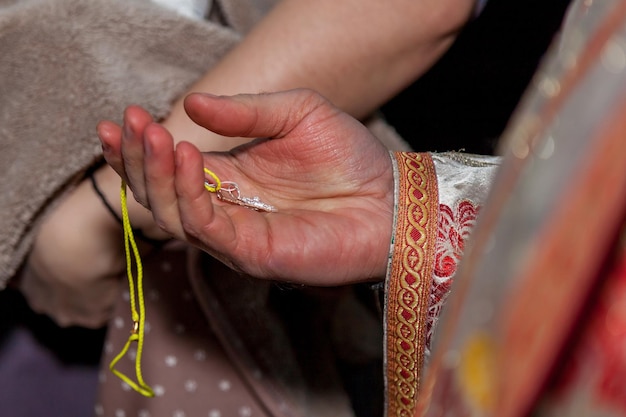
(453, 231)
(454, 228)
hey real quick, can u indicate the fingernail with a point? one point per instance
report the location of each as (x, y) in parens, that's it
(102, 133)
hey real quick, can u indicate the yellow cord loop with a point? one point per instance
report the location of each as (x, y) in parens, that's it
(137, 305)
(212, 187)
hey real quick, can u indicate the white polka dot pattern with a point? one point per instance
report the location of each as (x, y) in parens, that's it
(182, 361)
(171, 361)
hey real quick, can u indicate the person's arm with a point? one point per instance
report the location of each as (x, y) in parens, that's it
(356, 53)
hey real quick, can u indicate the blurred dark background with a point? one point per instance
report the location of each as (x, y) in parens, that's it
(466, 99)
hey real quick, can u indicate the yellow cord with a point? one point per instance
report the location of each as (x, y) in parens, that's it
(212, 187)
(136, 301)
(137, 305)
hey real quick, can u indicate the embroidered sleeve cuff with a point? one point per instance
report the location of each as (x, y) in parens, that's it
(437, 198)
(409, 276)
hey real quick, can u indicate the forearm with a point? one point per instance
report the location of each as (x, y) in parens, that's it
(357, 53)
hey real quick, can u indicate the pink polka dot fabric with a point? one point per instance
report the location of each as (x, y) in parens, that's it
(183, 361)
(218, 344)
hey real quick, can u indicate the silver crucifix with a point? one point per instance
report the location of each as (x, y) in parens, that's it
(229, 192)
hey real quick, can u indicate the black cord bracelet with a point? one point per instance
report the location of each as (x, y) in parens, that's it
(105, 202)
(138, 233)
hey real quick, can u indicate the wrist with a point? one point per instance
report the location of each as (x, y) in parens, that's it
(106, 184)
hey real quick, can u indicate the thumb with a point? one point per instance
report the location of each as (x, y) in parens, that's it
(270, 115)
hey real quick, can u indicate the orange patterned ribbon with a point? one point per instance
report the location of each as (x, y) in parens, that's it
(408, 286)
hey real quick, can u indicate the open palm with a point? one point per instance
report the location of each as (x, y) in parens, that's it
(330, 180)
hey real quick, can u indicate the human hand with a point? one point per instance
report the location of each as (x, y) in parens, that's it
(329, 178)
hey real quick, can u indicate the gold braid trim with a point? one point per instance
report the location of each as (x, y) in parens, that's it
(408, 284)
